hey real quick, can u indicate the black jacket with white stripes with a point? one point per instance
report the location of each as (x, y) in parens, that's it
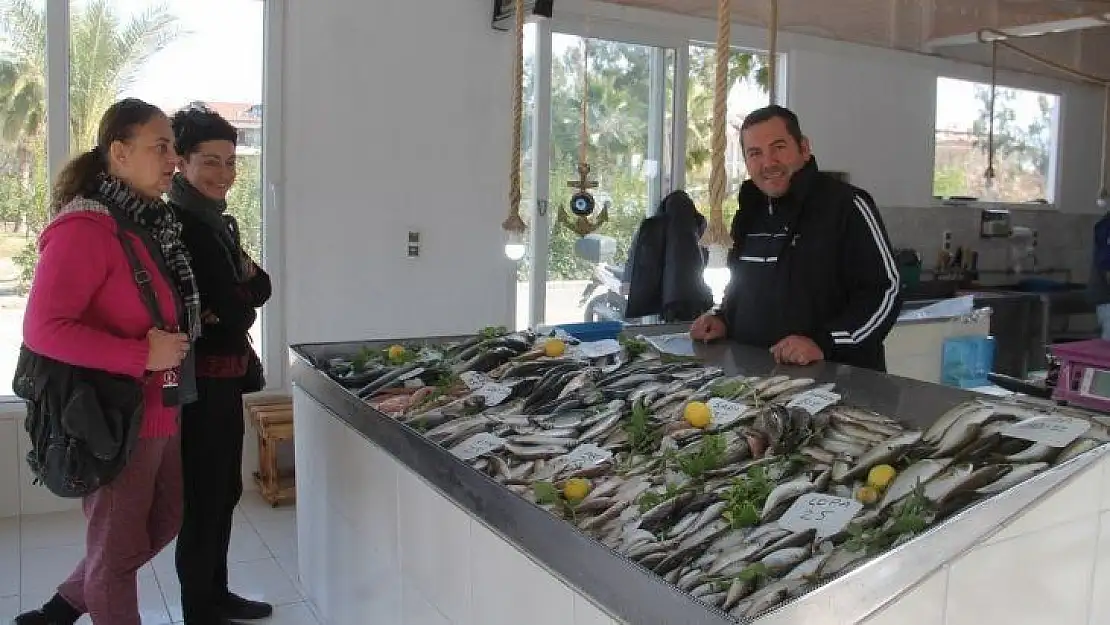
(817, 263)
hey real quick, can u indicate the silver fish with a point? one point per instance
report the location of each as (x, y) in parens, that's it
(785, 493)
(601, 427)
(561, 422)
(783, 560)
(941, 425)
(457, 428)
(686, 523)
(542, 439)
(919, 472)
(736, 592)
(964, 430)
(772, 595)
(1018, 474)
(759, 387)
(948, 482)
(886, 451)
(613, 512)
(690, 579)
(785, 386)
(707, 516)
(535, 452)
(857, 432)
(839, 560)
(808, 569)
(1034, 453)
(1075, 449)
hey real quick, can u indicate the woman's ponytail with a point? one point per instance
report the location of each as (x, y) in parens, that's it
(78, 178)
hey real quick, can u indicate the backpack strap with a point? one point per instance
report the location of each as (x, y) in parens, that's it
(140, 273)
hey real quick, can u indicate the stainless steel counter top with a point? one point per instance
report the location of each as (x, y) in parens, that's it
(633, 594)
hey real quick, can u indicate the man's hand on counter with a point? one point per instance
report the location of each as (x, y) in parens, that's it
(708, 327)
(796, 350)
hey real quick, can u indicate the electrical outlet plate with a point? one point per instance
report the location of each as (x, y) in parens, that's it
(946, 241)
(412, 246)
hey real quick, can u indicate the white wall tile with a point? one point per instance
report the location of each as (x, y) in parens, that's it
(415, 610)
(1100, 584)
(1078, 499)
(9, 557)
(435, 546)
(9, 607)
(512, 586)
(923, 605)
(1032, 579)
(9, 467)
(1105, 503)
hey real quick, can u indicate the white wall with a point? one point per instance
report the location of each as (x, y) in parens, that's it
(396, 118)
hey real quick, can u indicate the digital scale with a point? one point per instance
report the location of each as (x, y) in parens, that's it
(1084, 374)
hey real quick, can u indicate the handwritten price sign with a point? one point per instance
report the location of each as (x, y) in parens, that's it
(477, 446)
(583, 456)
(494, 393)
(825, 513)
(598, 349)
(724, 412)
(473, 380)
(814, 401)
(1051, 430)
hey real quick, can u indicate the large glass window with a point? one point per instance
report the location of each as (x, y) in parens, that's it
(173, 54)
(748, 90)
(23, 178)
(628, 89)
(1025, 133)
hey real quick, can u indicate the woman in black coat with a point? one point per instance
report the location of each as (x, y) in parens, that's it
(232, 286)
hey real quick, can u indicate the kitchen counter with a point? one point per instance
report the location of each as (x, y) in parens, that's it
(393, 526)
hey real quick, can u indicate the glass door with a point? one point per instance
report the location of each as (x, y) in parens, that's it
(630, 109)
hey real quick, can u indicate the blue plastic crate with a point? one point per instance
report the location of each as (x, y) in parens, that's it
(966, 361)
(595, 331)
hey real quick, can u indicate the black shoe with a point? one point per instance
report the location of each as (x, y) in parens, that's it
(237, 608)
(57, 611)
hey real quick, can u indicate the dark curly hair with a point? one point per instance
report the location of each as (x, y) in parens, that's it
(195, 124)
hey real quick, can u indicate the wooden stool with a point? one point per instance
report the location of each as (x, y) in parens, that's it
(272, 417)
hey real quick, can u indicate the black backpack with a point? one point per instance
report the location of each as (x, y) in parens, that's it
(83, 423)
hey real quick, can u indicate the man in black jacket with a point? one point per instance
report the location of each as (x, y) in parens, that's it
(813, 275)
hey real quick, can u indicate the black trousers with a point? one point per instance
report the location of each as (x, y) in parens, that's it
(211, 460)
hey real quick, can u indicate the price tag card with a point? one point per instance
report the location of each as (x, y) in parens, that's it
(473, 380)
(724, 412)
(582, 457)
(827, 514)
(598, 349)
(814, 401)
(494, 393)
(428, 353)
(1051, 430)
(411, 374)
(477, 445)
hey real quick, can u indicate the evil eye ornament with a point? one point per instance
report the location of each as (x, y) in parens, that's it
(582, 204)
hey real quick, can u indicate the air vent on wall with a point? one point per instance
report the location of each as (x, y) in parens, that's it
(503, 11)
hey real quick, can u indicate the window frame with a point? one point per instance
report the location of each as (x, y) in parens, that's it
(275, 353)
(1052, 179)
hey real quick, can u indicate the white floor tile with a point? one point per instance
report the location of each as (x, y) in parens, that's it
(9, 557)
(293, 614)
(279, 535)
(255, 509)
(246, 545)
(9, 608)
(263, 580)
(43, 569)
(58, 529)
(152, 607)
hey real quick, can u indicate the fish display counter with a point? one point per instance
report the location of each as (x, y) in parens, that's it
(511, 478)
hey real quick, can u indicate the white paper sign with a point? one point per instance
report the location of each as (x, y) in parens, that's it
(494, 393)
(814, 401)
(676, 344)
(1051, 430)
(582, 457)
(473, 380)
(598, 349)
(427, 353)
(724, 412)
(827, 514)
(477, 445)
(411, 374)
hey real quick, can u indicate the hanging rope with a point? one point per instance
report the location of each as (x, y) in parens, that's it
(989, 174)
(773, 53)
(514, 224)
(717, 233)
(584, 136)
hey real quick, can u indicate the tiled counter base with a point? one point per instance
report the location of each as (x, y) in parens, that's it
(379, 545)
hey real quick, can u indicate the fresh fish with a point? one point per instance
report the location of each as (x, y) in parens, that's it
(458, 428)
(772, 595)
(737, 590)
(561, 422)
(602, 427)
(785, 386)
(808, 569)
(1036, 452)
(965, 429)
(884, 452)
(759, 387)
(783, 560)
(784, 494)
(707, 516)
(941, 425)
(613, 512)
(855, 432)
(1018, 473)
(580, 380)
(1075, 449)
(919, 472)
(527, 452)
(543, 439)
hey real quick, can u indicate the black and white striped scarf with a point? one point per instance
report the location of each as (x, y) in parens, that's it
(159, 220)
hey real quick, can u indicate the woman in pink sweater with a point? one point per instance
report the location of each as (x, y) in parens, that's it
(85, 309)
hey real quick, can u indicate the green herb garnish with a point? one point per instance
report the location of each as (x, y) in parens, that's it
(633, 346)
(709, 455)
(643, 437)
(746, 497)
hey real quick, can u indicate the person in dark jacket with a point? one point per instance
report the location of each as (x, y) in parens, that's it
(1098, 284)
(232, 286)
(813, 274)
(665, 264)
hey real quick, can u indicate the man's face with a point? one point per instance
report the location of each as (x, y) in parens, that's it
(773, 156)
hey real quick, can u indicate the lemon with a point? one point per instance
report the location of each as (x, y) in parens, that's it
(881, 476)
(576, 489)
(867, 495)
(396, 352)
(697, 414)
(554, 348)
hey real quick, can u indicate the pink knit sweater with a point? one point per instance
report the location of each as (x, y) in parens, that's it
(85, 309)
